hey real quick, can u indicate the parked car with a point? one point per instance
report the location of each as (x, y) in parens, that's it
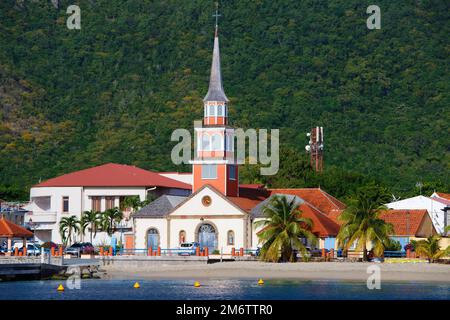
(188, 248)
(33, 249)
(3, 249)
(79, 248)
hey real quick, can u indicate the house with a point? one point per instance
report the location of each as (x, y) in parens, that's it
(409, 225)
(434, 205)
(99, 188)
(13, 211)
(323, 227)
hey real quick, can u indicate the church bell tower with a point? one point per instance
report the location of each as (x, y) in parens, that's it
(214, 162)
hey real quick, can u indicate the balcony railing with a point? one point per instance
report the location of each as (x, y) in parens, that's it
(41, 217)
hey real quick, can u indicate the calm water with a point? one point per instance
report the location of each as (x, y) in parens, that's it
(93, 289)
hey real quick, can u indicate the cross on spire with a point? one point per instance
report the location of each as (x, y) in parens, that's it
(217, 15)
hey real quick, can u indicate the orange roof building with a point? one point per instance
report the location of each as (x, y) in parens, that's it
(12, 230)
(410, 223)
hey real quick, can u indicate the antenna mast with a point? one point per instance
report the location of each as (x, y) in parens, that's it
(315, 148)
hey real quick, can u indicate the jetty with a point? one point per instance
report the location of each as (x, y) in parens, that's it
(27, 268)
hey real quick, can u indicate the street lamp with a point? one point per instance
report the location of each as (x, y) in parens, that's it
(33, 227)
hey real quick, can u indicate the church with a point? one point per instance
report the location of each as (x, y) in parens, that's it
(220, 213)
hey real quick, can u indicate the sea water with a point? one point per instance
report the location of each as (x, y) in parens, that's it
(99, 289)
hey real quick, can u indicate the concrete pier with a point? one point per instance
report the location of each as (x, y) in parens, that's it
(122, 262)
(18, 268)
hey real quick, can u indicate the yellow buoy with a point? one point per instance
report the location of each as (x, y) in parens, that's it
(196, 284)
(60, 288)
(260, 282)
(136, 285)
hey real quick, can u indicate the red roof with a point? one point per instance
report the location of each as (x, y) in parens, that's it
(113, 175)
(316, 197)
(12, 230)
(405, 222)
(322, 225)
(245, 203)
(443, 195)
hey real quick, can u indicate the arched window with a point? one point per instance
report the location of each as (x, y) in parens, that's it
(216, 142)
(230, 238)
(212, 111)
(182, 236)
(220, 111)
(206, 144)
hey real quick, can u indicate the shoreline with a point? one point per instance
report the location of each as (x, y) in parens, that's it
(345, 271)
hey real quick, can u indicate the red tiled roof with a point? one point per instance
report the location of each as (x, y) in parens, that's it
(113, 175)
(444, 195)
(12, 230)
(250, 195)
(405, 222)
(245, 203)
(322, 225)
(315, 196)
(335, 216)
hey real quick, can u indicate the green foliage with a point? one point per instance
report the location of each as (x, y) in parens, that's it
(282, 229)
(135, 203)
(91, 219)
(68, 227)
(393, 245)
(361, 222)
(116, 89)
(109, 219)
(430, 249)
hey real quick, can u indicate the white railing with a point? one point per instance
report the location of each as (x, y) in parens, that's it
(41, 217)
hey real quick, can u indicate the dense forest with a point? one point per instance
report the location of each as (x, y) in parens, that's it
(116, 89)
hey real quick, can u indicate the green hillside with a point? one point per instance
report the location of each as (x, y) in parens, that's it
(116, 89)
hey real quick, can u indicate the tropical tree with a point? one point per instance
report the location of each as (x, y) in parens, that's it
(109, 218)
(91, 219)
(68, 226)
(282, 230)
(430, 248)
(135, 202)
(361, 222)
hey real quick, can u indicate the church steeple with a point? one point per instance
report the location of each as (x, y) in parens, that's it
(214, 162)
(215, 90)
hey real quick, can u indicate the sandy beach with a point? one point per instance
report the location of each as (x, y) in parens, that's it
(310, 270)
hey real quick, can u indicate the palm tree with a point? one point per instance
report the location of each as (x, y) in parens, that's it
(135, 203)
(68, 226)
(430, 248)
(361, 223)
(109, 218)
(90, 219)
(282, 230)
